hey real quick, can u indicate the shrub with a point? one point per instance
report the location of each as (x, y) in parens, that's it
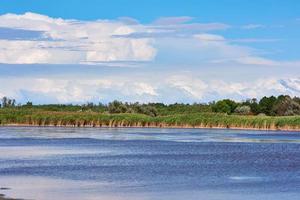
(243, 110)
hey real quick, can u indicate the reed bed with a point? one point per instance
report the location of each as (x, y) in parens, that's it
(196, 120)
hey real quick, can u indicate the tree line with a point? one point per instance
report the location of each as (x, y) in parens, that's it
(282, 105)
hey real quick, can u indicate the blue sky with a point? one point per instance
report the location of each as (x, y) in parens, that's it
(230, 11)
(164, 51)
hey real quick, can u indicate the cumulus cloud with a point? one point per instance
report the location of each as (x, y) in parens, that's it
(257, 88)
(33, 38)
(70, 41)
(20, 34)
(75, 90)
(144, 89)
(174, 88)
(217, 89)
(291, 84)
(193, 87)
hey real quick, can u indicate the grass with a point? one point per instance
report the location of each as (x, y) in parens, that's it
(95, 119)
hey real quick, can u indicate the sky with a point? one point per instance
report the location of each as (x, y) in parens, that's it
(74, 51)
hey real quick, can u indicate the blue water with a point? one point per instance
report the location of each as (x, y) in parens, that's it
(95, 163)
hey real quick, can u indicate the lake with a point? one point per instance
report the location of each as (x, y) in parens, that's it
(157, 164)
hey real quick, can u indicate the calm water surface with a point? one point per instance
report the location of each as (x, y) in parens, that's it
(158, 164)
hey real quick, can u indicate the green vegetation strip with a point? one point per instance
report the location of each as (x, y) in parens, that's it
(94, 119)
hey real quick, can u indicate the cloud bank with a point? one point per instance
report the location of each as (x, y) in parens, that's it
(59, 41)
(176, 88)
(32, 38)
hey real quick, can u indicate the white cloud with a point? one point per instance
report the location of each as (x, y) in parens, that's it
(183, 87)
(251, 60)
(252, 40)
(222, 50)
(292, 84)
(63, 41)
(144, 88)
(72, 41)
(210, 38)
(191, 86)
(253, 26)
(76, 90)
(94, 42)
(172, 20)
(28, 52)
(174, 27)
(257, 88)
(218, 89)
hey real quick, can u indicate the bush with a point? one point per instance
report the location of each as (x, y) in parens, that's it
(243, 110)
(286, 106)
(117, 107)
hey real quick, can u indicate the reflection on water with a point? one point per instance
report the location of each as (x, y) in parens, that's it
(177, 135)
(50, 189)
(121, 164)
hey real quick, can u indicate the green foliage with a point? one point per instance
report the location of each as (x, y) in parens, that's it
(282, 105)
(117, 107)
(180, 108)
(28, 104)
(266, 105)
(29, 116)
(252, 103)
(7, 102)
(286, 106)
(225, 106)
(272, 106)
(143, 109)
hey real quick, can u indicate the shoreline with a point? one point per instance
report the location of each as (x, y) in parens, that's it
(287, 129)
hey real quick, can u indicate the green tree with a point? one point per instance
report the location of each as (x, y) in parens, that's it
(117, 107)
(29, 104)
(266, 105)
(254, 106)
(225, 106)
(285, 106)
(7, 102)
